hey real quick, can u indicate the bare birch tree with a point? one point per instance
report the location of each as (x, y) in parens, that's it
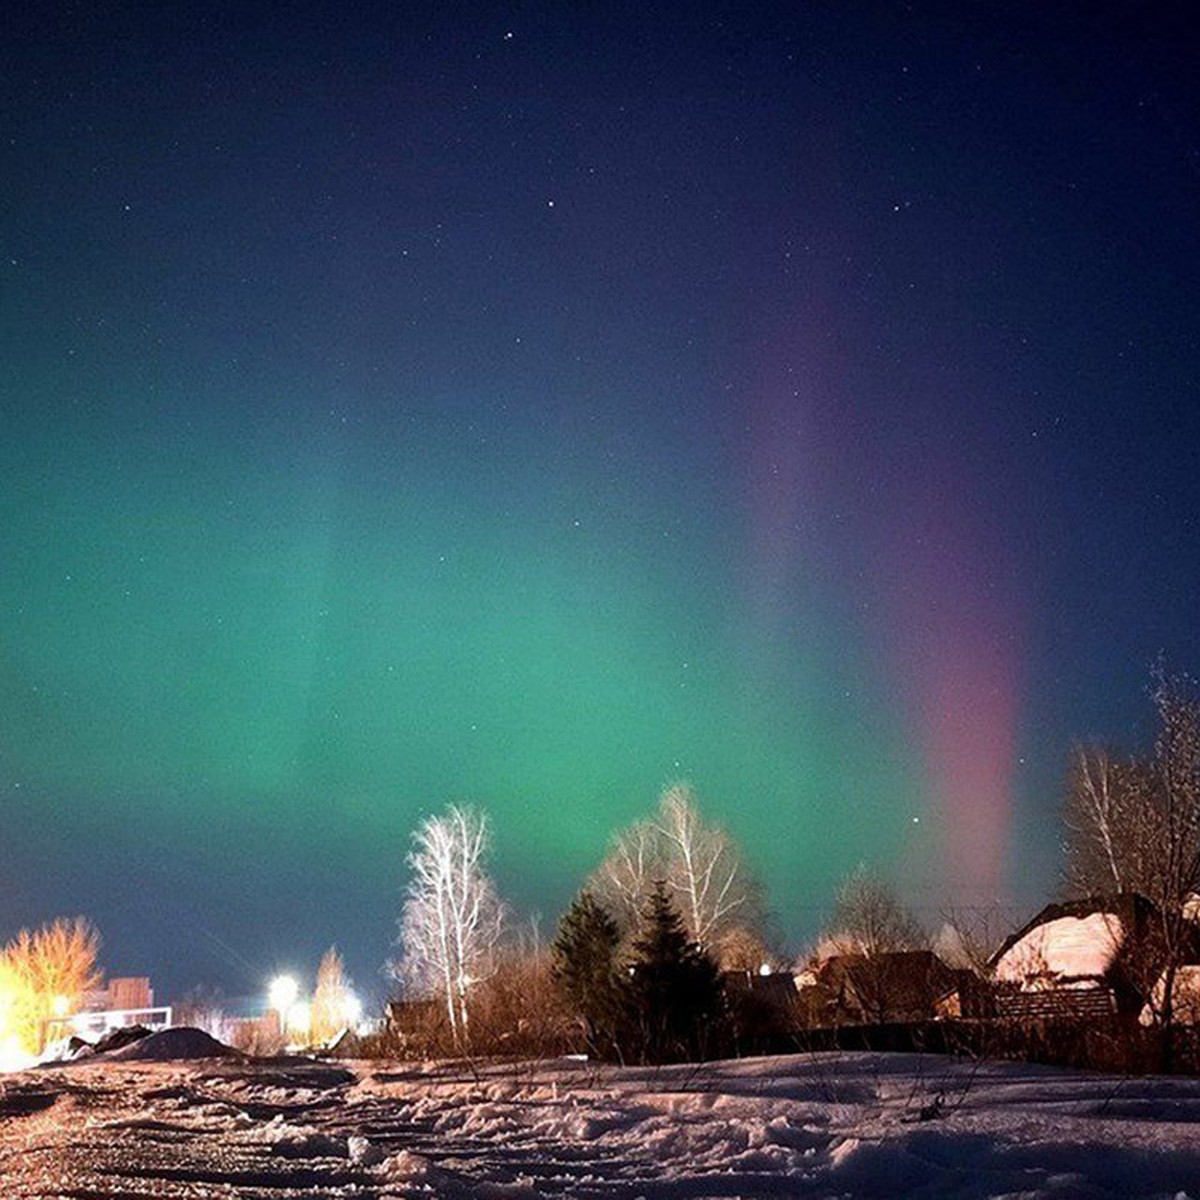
(626, 877)
(452, 918)
(1114, 824)
(869, 918)
(1094, 811)
(699, 863)
(706, 873)
(1177, 826)
(1134, 825)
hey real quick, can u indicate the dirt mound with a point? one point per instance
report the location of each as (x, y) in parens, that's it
(118, 1039)
(169, 1044)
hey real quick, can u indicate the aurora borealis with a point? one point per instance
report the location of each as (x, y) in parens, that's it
(531, 407)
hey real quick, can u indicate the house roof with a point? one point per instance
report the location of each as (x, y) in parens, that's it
(898, 981)
(1080, 937)
(1065, 948)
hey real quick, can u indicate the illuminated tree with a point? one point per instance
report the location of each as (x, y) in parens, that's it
(698, 863)
(332, 999)
(17, 1017)
(48, 974)
(624, 879)
(742, 949)
(452, 919)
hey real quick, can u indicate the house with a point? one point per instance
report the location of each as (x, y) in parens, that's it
(878, 989)
(122, 994)
(122, 1002)
(1185, 997)
(970, 998)
(1083, 959)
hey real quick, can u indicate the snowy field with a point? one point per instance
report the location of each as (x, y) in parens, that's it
(825, 1125)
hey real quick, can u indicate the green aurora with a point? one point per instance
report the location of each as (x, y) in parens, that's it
(237, 642)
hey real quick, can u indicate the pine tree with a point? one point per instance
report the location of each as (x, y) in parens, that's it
(585, 969)
(675, 986)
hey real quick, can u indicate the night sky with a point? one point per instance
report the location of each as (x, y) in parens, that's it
(534, 405)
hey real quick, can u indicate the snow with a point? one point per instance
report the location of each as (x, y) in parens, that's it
(1065, 948)
(816, 1125)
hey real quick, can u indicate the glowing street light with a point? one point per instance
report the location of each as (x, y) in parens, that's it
(281, 996)
(299, 1017)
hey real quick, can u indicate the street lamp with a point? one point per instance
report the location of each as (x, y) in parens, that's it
(299, 1018)
(281, 996)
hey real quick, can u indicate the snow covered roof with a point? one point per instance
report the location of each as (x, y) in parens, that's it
(1064, 948)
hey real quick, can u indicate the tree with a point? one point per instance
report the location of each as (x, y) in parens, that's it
(968, 938)
(673, 986)
(699, 864)
(586, 970)
(1113, 824)
(332, 999)
(452, 918)
(745, 950)
(1134, 826)
(17, 1017)
(519, 1009)
(869, 919)
(1174, 830)
(204, 1008)
(623, 881)
(48, 973)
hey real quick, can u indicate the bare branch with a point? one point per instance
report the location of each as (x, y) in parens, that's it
(452, 918)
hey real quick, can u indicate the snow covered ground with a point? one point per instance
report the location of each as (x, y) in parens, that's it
(822, 1125)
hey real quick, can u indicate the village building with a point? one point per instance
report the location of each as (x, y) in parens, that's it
(1082, 959)
(892, 987)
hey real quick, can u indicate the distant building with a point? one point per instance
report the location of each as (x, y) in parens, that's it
(124, 1001)
(122, 992)
(878, 989)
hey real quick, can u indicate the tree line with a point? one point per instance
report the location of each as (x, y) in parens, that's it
(635, 968)
(635, 965)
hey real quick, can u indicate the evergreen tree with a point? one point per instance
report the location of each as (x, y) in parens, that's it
(585, 969)
(675, 987)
